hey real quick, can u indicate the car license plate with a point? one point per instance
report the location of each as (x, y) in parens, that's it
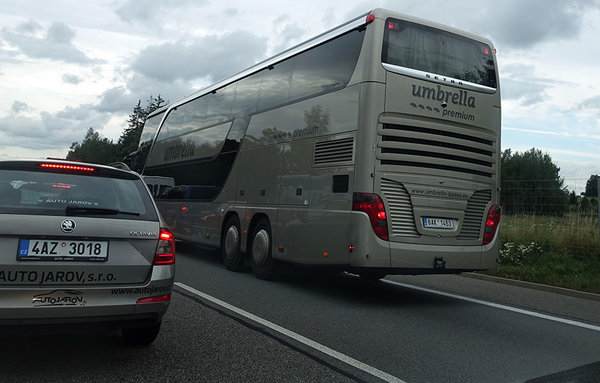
(438, 223)
(60, 250)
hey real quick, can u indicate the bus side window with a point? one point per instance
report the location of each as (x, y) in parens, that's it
(246, 95)
(219, 104)
(275, 85)
(327, 67)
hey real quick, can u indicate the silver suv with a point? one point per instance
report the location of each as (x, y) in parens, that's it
(82, 244)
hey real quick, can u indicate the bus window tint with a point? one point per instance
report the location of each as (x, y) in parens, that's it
(327, 67)
(138, 158)
(432, 50)
(198, 110)
(246, 94)
(236, 135)
(219, 105)
(150, 128)
(172, 125)
(189, 120)
(275, 85)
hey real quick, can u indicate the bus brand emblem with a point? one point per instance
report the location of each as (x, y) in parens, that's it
(462, 97)
(68, 225)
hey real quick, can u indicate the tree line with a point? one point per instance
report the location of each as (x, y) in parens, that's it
(530, 181)
(99, 150)
(531, 184)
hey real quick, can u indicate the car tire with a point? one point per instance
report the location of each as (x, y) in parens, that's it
(261, 257)
(230, 244)
(140, 336)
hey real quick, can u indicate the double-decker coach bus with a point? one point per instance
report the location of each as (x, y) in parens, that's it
(373, 147)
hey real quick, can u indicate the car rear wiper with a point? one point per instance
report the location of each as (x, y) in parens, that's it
(96, 210)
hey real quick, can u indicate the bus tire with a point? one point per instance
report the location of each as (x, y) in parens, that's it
(261, 257)
(230, 244)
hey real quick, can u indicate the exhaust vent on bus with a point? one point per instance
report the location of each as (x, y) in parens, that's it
(437, 151)
(400, 209)
(472, 223)
(334, 152)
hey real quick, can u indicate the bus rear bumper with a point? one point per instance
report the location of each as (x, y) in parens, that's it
(412, 258)
(404, 255)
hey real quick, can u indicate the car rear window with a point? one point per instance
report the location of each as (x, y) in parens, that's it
(61, 193)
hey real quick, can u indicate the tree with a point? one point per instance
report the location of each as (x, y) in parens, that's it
(591, 186)
(584, 207)
(129, 140)
(572, 198)
(100, 150)
(94, 149)
(531, 184)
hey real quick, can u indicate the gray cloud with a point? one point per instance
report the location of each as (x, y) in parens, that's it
(71, 79)
(115, 100)
(29, 27)
(50, 130)
(591, 104)
(18, 107)
(57, 44)
(511, 24)
(213, 57)
(121, 99)
(151, 12)
(142, 87)
(229, 12)
(514, 24)
(520, 82)
(287, 34)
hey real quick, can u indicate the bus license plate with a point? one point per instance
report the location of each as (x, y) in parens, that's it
(59, 250)
(438, 223)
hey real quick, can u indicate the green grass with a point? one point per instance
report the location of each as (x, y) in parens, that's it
(558, 251)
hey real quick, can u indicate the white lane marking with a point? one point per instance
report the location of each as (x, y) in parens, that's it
(308, 342)
(498, 306)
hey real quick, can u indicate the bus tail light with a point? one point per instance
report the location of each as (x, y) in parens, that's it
(372, 205)
(165, 251)
(491, 224)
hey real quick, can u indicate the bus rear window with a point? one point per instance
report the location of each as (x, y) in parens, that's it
(434, 51)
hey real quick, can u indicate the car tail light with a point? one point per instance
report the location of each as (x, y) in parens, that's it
(165, 251)
(162, 298)
(372, 205)
(68, 167)
(491, 224)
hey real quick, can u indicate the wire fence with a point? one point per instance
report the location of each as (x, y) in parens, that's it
(542, 216)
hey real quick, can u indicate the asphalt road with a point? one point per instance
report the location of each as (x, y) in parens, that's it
(417, 329)
(315, 327)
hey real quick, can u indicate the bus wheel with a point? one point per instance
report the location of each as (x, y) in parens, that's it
(230, 244)
(261, 257)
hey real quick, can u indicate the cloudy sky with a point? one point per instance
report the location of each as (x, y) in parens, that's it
(67, 65)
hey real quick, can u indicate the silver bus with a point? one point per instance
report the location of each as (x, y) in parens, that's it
(372, 148)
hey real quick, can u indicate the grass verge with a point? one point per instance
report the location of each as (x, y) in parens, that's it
(557, 251)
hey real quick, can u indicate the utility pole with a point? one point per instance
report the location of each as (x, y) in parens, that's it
(598, 192)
